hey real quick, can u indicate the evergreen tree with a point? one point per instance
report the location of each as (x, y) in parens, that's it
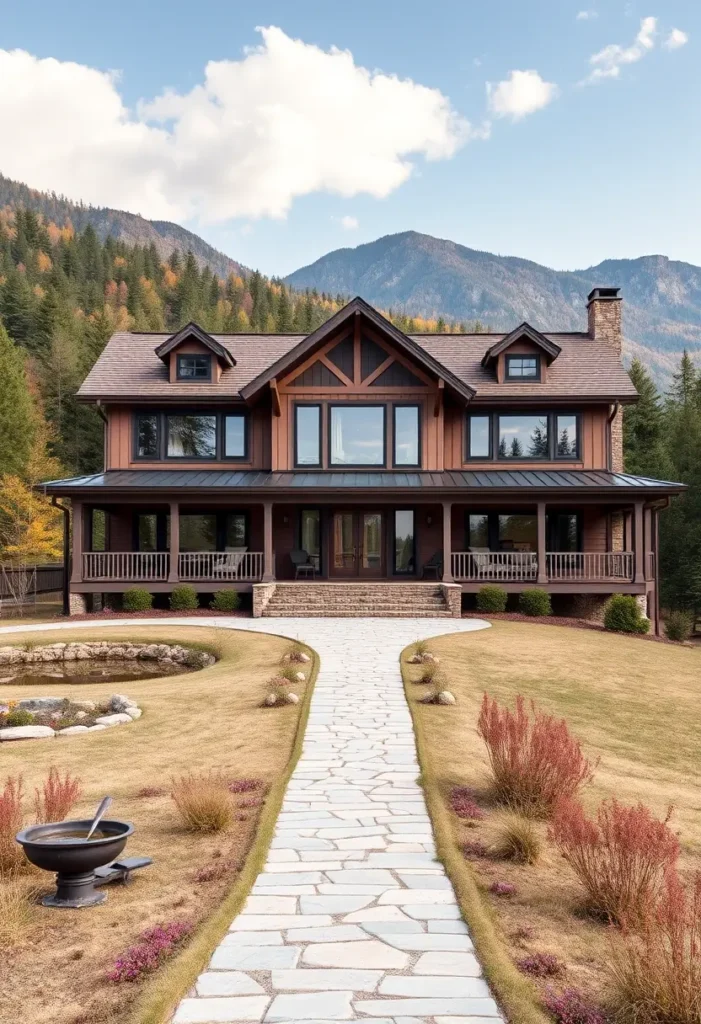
(17, 425)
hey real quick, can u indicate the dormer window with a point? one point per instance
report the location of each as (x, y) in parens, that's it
(522, 368)
(194, 367)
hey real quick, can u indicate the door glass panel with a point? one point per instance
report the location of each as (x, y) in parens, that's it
(198, 533)
(372, 540)
(518, 533)
(343, 540)
(478, 533)
(310, 534)
(404, 541)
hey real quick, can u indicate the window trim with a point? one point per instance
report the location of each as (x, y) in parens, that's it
(520, 378)
(419, 429)
(307, 465)
(393, 548)
(162, 435)
(363, 465)
(184, 378)
(550, 415)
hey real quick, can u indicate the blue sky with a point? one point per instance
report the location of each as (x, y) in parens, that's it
(552, 168)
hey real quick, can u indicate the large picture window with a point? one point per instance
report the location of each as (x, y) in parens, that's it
(192, 436)
(189, 434)
(529, 437)
(407, 439)
(307, 435)
(523, 437)
(357, 435)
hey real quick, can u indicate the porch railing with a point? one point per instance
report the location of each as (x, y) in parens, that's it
(125, 565)
(507, 566)
(589, 565)
(220, 565)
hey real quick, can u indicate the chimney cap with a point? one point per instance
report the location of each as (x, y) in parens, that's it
(605, 294)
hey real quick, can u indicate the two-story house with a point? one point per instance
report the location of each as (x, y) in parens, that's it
(421, 467)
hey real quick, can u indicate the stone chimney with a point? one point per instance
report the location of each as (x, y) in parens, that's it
(604, 311)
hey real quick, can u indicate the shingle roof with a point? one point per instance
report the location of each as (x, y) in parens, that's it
(129, 367)
(454, 480)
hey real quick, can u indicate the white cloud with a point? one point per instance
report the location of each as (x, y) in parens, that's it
(349, 223)
(286, 120)
(522, 93)
(675, 39)
(586, 15)
(607, 63)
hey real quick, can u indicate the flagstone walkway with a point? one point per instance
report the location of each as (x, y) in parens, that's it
(352, 917)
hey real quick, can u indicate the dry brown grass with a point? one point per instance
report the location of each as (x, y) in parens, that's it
(634, 704)
(208, 720)
(512, 836)
(18, 912)
(204, 802)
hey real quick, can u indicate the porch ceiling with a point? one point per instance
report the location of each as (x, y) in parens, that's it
(593, 483)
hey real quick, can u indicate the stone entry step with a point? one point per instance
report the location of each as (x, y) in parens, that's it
(347, 600)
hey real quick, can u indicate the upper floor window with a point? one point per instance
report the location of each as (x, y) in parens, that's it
(190, 435)
(523, 368)
(407, 436)
(534, 437)
(194, 367)
(307, 435)
(357, 435)
(523, 437)
(235, 436)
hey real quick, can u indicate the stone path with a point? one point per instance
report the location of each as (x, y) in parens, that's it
(352, 916)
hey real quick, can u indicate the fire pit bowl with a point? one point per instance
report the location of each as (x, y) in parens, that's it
(62, 847)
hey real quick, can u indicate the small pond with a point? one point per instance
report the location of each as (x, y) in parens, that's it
(89, 671)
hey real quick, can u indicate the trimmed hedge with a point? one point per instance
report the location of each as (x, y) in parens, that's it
(137, 600)
(622, 615)
(535, 602)
(679, 626)
(225, 601)
(491, 599)
(184, 598)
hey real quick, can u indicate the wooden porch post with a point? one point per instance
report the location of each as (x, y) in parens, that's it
(542, 545)
(268, 566)
(173, 569)
(448, 542)
(78, 535)
(639, 539)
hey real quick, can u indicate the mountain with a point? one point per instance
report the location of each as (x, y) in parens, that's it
(127, 227)
(422, 275)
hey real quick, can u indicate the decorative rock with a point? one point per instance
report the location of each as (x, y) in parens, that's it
(81, 714)
(133, 713)
(72, 730)
(118, 702)
(271, 700)
(446, 697)
(301, 676)
(84, 705)
(40, 703)
(292, 698)
(27, 732)
(110, 720)
(95, 728)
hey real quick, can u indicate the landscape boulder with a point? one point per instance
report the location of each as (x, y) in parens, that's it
(27, 732)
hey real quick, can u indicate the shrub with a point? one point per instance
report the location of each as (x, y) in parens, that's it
(513, 837)
(137, 600)
(56, 798)
(289, 674)
(184, 598)
(431, 675)
(203, 802)
(420, 648)
(491, 599)
(622, 615)
(225, 601)
(679, 626)
(19, 716)
(540, 965)
(535, 602)
(620, 859)
(657, 974)
(535, 762)
(295, 652)
(502, 889)
(154, 946)
(463, 804)
(11, 853)
(570, 1007)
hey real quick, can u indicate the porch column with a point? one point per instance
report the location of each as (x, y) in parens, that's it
(542, 545)
(639, 540)
(268, 565)
(448, 542)
(78, 535)
(174, 549)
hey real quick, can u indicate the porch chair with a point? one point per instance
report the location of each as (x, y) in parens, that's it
(229, 564)
(303, 565)
(433, 567)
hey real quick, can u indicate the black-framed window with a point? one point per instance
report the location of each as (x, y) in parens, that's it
(193, 367)
(307, 434)
(517, 530)
(522, 368)
(407, 435)
(522, 436)
(191, 435)
(357, 435)
(99, 529)
(404, 545)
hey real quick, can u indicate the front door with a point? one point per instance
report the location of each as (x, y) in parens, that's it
(357, 544)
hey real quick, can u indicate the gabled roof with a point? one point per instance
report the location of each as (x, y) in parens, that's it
(524, 330)
(358, 306)
(192, 330)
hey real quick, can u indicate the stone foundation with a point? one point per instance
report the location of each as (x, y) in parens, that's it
(452, 593)
(262, 592)
(77, 604)
(590, 607)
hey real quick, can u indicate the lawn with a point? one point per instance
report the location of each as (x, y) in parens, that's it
(204, 720)
(633, 704)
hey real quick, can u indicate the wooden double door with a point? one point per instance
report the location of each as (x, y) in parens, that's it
(357, 548)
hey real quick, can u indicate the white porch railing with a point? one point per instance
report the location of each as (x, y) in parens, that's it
(587, 566)
(506, 566)
(125, 565)
(220, 565)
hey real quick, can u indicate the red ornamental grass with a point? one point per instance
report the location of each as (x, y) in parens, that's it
(154, 946)
(571, 1007)
(540, 965)
(53, 802)
(620, 858)
(463, 804)
(535, 759)
(244, 785)
(11, 854)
